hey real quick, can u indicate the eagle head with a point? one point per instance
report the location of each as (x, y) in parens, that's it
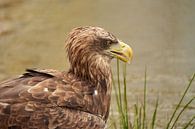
(94, 46)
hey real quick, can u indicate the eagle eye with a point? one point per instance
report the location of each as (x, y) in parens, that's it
(109, 42)
(106, 43)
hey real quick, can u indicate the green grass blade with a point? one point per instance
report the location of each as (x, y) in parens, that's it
(181, 112)
(120, 95)
(121, 117)
(154, 115)
(125, 98)
(136, 117)
(144, 105)
(180, 102)
(119, 84)
(193, 127)
(119, 98)
(140, 118)
(188, 124)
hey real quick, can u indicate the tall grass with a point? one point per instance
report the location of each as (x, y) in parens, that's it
(121, 99)
(140, 121)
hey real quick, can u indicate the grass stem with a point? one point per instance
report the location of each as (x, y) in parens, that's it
(178, 105)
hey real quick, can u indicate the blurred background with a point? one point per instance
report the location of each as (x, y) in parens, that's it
(161, 33)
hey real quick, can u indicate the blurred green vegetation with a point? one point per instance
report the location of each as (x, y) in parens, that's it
(140, 119)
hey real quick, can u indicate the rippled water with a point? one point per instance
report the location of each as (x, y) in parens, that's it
(32, 34)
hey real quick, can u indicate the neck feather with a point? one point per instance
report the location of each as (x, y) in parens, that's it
(96, 70)
(93, 68)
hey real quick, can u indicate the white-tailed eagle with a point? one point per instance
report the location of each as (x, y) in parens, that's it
(76, 99)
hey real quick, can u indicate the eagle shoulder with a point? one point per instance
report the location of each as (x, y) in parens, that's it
(32, 97)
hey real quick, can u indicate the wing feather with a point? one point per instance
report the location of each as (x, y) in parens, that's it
(47, 99)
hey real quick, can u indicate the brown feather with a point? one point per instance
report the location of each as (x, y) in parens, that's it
(49, 99)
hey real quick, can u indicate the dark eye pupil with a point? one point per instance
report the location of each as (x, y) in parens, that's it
(106, 43)
(109, 42)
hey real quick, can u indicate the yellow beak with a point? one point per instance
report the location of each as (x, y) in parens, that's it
(122, 51)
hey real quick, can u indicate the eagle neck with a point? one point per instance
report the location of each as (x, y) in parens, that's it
(93, 69)
(97, 72)
(100, 75)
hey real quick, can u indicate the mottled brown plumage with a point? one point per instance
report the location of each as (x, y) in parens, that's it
(77, 99)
